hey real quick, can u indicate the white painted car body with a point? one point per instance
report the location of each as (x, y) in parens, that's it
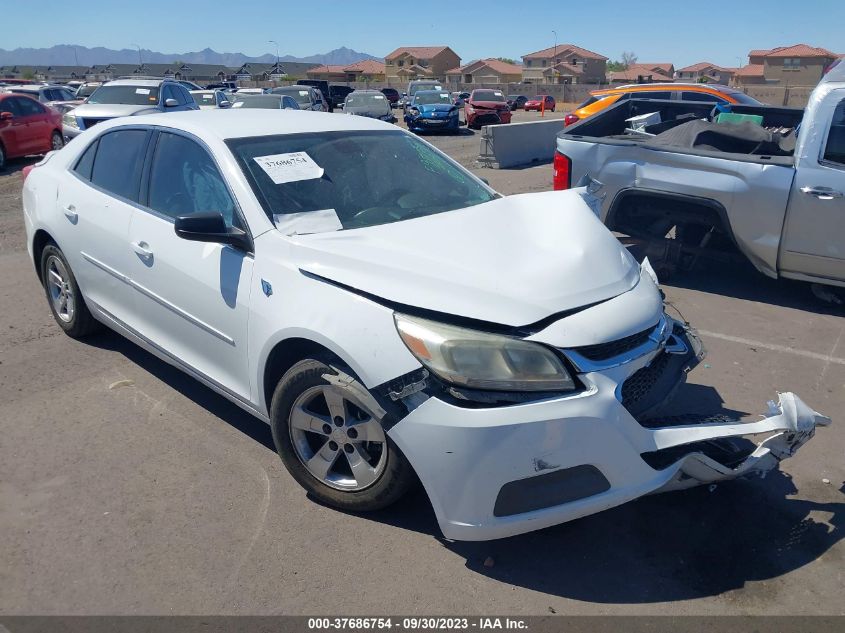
(539, 266)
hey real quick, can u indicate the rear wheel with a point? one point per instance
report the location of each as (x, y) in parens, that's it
(63, 294)
(57, 141)
(331, 438)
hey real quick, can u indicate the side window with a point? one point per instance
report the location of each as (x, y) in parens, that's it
(167, 93)
(85, 164)
(652, 95)
(118, 163)
(185, 180)
(701, 96)
(29, 107)
(834, 148)
(10, 105)
(182, 95)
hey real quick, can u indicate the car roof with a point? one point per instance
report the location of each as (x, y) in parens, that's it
(137, 82)
(237, 123)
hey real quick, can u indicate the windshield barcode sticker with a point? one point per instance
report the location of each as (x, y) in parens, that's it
(290, 167)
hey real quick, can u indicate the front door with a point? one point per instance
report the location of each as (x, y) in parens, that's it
(192, 297)
(814, 239)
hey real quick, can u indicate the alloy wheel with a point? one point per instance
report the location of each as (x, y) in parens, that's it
(61, 292)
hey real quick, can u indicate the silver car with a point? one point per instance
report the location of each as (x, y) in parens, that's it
(308, 97)
(211, 99)
(127, 97)
(265, 102)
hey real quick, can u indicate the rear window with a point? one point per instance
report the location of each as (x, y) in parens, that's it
(117, 165)
(702, 96)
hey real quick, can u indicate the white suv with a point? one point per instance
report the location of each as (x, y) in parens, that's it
(387, 313)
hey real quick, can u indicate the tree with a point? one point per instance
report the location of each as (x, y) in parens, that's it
(628, 58)
(615, 66)
(507, 60)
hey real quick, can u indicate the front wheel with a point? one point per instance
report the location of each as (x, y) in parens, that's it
(331, 438)
(57, 141)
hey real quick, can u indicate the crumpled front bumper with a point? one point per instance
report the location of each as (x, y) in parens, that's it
(494, 472)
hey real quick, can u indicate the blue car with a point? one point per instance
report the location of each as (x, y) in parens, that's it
(430, 111)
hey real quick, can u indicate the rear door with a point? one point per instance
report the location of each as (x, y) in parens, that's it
(94, 204)
(814, 239)
(34, 134)
(192, 297)
(13, 130)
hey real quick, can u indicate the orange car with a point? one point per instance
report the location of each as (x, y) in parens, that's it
(601, 99)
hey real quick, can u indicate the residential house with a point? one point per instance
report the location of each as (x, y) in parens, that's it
(797, 65)
(705, 72)
(485, 72)
(564, 64)
(367, 70)
(643, 73)
(252, 71)
(419, 62)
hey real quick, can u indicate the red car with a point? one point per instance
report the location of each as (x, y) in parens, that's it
(486, 107)
(27, 127)
(537, 103)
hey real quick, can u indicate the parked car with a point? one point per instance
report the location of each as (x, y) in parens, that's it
(710, 93)
(87, 89)
(308, 97)
(324, 91)
(127, 97)
(486, 107)
(190, 85)
(265, 102)
(343, 281)
(252, 91)
(27, 127)
(338, 94)
(225, 86)
(369, 103)
(459, 98)
(392, 96)
(211, 99)
(517, 102)
(58, 97)
(536, 103)
(418, 84)
(431, 111)
(759, 189)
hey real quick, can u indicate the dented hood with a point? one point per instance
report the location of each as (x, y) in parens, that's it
(513, 261)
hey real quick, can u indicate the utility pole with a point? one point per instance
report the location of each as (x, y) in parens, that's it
(140, 63)
(277, 53)
(554, 59)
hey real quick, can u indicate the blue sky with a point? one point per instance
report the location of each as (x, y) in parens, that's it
(657, 31)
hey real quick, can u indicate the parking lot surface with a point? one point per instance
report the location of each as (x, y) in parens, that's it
(128, 488)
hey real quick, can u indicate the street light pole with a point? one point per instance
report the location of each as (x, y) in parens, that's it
(277, 52)
(554, 59)
(140, 62)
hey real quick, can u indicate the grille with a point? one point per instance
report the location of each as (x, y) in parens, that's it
(641, 382)
(603, 351)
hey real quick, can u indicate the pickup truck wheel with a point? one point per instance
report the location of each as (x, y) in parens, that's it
(331, 439)
(63, 295)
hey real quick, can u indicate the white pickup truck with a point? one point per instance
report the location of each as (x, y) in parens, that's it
(771, 187)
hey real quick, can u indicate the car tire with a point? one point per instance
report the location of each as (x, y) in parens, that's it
(57, 141)
(63, 295)
(331, 438)
(2, 157)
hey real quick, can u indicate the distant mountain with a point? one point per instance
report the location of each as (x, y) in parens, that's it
(71, 55)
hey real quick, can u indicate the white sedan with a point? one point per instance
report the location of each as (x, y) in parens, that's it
(387, 313)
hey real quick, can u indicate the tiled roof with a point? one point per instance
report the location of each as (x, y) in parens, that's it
(422, 52)
(566, 69)
(563, 49)
(751, 70)
(801, 50)
(699, 66)
(367, 66)
(334, 69)
(636, 70)
(503, 68)
(664, 67)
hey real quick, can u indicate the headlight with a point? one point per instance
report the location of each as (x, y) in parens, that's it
(69, 120)
(479, 360)
(414, 111)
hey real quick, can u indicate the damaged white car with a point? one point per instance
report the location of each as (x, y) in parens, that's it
(389, 315)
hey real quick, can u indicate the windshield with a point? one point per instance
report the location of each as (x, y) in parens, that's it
(487, 95)
(423, 98)
(301, 95)
(360, 179)
(371, 101)
(129, 95)
(85, 91)
(427, 86)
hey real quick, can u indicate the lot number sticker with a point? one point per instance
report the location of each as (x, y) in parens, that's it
(290, 167)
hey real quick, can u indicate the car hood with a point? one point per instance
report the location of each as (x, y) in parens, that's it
(492, 105)
(512, 261)
(108, 110)
(428, 108)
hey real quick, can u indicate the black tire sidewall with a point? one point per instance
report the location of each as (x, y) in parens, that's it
(396, 477)
(82, 322)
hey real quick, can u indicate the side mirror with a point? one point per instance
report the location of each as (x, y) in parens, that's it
(211, 227)
(5, 116)
(170, 103)
(225, 104)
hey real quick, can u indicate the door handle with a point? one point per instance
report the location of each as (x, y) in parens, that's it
(70, 213)
(142, 249)
(822, 193)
